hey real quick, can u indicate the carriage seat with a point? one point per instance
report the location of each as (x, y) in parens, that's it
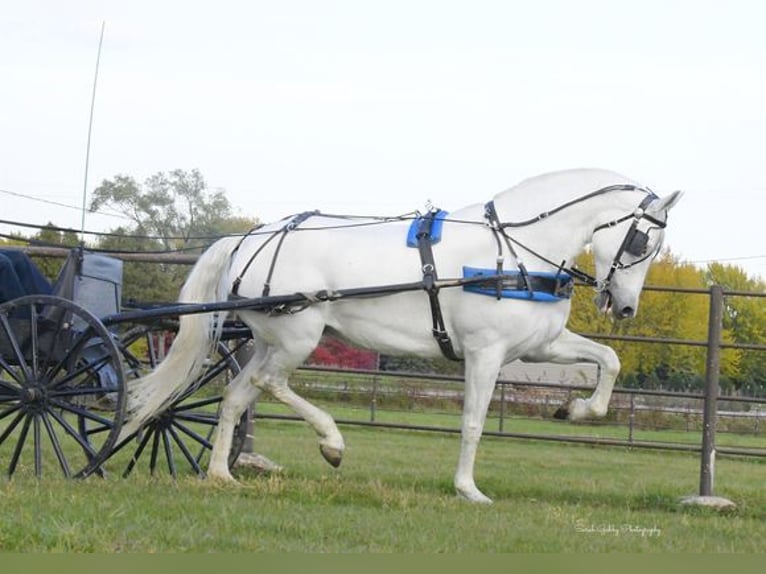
(91, 280)
(19, 276)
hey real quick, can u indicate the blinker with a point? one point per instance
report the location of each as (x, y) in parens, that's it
(638, 243)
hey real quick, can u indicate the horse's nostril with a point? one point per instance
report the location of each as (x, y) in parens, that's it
(627, 312)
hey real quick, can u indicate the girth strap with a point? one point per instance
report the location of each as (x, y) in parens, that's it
(428, 267)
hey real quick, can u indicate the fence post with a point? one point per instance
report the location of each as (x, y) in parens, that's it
(374, 398)
(712, 368)
(631, 417)
(502, 407)
(710, 408)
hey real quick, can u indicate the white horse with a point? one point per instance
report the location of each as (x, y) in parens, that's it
(546, 221)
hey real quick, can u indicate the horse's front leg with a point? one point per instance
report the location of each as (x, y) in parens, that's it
(481, 371)
(570, 348)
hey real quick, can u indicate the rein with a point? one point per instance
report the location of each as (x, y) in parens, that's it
(634, 242)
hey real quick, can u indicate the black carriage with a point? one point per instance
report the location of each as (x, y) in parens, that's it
(66, 362)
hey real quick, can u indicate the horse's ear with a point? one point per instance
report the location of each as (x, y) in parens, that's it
(665, 203)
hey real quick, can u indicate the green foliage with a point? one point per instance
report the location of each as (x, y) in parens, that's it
(170, 211)
(51, 237)
(682, 316)
(177, 208)
(744, 322)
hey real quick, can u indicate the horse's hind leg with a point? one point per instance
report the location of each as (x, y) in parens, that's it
(331, 441)
(268, 370)
(238, 395)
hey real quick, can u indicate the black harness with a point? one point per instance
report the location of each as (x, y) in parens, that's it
(291, 225)
(634, 243)
(428, 267)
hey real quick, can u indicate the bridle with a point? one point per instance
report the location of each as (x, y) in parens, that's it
(634, 243)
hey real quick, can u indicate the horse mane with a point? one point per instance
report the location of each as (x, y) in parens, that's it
(545, 192)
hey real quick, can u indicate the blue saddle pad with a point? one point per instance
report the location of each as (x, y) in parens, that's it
(546, 287)
(436, 229)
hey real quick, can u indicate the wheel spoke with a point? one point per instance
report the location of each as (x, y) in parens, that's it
(15, 346)
(209, 419)
(211, 373)
(169, 453)
(92, 370)
(85, 413)
(136, 454)
(75, 350)
(9, 387)
(192, 405)
(155, 448)
(56, 446)
(14, 423)
(38, 446)
(11, 371)
(19, 446)
(34, 344)
(186, 452)
(71, 431)
(194, 435)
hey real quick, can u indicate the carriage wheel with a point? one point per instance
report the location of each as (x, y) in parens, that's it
(62, 392)
(180, 437)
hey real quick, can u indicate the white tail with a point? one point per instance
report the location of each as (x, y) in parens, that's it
(196, 338)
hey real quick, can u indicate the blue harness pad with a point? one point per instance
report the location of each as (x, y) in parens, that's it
(436, 228)
(546, 287)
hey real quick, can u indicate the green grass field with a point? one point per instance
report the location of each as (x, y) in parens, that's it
(394, 493)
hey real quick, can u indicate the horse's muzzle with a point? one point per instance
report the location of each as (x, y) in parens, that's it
(605, 303)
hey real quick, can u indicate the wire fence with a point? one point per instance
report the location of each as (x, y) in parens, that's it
(637, 419)
(521, 409)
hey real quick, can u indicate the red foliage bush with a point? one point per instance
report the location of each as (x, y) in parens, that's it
(333, 352)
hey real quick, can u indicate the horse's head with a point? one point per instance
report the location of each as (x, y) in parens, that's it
(623, 250)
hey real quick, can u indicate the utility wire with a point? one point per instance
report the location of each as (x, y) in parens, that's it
(58, 204)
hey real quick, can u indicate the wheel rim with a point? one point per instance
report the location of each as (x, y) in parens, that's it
(62, 394)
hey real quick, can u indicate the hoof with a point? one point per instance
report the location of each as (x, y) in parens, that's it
(562, 413)
(222, 480)
(474, 496)
(332, 455)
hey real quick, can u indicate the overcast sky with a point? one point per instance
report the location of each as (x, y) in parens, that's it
(379, 106)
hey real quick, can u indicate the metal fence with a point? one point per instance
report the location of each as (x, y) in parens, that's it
(700, 412)
(637, 418)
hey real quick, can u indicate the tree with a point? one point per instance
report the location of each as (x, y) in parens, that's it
(663, 315)
(175, 208)
(170, 211)
(745, 320)
(51, 236)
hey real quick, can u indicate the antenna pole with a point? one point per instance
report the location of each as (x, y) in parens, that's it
(90, 128)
